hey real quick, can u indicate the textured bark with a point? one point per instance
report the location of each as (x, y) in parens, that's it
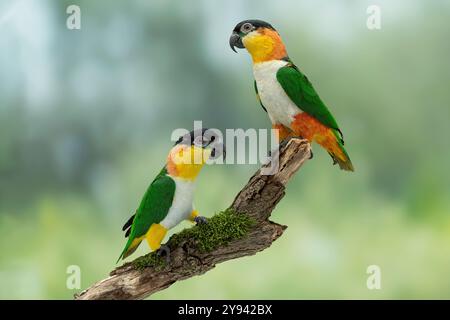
(257, 199)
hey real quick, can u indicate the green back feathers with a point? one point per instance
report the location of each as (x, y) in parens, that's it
(155, 204)
(302, 93)
(154, 207)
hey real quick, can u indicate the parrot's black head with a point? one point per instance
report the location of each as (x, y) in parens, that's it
(245, 27)
(204, 138)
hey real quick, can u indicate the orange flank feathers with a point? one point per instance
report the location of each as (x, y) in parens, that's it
(311, 129)
(282, 132)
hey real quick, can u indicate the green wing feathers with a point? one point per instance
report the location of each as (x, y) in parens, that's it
(154, 207)
(345, 163)
(302, 93)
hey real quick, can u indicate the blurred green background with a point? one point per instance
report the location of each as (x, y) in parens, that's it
(86, 118)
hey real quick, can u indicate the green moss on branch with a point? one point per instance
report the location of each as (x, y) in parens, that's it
(150, 260)
(221, 229)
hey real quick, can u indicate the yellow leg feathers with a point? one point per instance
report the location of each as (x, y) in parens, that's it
(155, 235)
(282, 132)
(194, 214)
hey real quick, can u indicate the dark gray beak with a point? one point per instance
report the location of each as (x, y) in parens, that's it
(213, 140)
(236, 41)
(218, 150)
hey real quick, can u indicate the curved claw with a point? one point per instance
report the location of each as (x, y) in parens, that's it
(164, 250)
(200, 220)
(284, 142)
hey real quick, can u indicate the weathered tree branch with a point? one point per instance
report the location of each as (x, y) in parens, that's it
(257, 199)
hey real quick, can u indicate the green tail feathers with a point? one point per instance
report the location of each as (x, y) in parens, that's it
(340, 155)
(344, 162)
(130, 247)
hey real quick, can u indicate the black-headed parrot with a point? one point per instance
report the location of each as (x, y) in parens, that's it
(169, 198)
(285, 93)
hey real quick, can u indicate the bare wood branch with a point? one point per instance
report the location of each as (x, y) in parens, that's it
(257, 199)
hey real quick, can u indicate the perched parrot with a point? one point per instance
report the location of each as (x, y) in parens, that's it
(169, 198)
(285, 93)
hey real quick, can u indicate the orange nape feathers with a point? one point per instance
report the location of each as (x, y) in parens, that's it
(312, 129)
(264, 44)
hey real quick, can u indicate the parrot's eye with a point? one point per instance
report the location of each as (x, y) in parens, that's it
(199, 141)
(246, 27)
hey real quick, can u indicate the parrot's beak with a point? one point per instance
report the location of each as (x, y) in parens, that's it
(236, 41)
(218, 149)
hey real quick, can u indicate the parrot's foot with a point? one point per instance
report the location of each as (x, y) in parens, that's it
(164, 250)
(284, 142)
(275, 152)
(200, 220)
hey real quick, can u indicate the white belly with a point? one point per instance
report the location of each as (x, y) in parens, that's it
(182, 206)
(279, 106)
